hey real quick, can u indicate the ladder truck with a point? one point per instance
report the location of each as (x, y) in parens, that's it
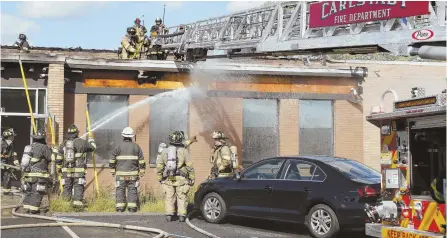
(413, 161)
(403, 28)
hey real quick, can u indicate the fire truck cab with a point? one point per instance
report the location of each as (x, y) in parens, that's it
(413, 148)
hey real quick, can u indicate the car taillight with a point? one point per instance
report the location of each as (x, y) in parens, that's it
(366, 191)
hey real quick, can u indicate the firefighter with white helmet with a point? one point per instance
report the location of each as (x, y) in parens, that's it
(35, 160)
(71, 161)
(176, 174)
(8, 156)
(127, 165)
(223, 158)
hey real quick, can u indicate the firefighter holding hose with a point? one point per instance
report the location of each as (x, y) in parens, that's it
(127, 165)
(9, 157)
(128, 49)
(35, 160)
(72, 163)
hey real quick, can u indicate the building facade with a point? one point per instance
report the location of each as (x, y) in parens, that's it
(266, 109)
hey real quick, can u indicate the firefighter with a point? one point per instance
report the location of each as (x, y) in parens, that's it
(221, 156)
(129, 45)
(141, 34)
(157, 28)
(9, 156)
(436, 187)
(176, 174)
(71, 162)
(35, 161)
(127, 164)
(22, 43)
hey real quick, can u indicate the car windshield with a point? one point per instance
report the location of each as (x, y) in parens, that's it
(354, 170)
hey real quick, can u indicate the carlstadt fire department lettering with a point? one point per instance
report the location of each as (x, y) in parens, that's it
(327, 11)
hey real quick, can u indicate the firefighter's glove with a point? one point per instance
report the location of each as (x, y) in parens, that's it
(91, 140)
(55, 150)
(16, 163)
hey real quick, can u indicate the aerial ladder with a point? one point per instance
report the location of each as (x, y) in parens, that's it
(288, 28)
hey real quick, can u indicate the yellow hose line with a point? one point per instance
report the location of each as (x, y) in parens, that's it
(27, 96)
(90, 134)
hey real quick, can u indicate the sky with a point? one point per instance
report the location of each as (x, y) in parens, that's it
(99, 25)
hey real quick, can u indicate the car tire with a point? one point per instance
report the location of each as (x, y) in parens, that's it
(318, 219)
(213, 208)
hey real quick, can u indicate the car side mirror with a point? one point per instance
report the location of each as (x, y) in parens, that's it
(237, 176)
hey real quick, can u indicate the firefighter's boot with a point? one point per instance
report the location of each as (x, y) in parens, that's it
(120, 209)
(181, 218)
(133, 209)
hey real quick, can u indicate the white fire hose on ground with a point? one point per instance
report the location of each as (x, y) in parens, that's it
(86, 223)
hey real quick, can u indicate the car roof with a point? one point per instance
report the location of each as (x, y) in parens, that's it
(321, 158)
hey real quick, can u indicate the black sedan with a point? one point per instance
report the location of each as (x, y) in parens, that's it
(325, 193)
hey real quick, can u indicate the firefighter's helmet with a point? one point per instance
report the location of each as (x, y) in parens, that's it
(73, 129)
(131, 31)
(158, 19)
(176, 138)
(22, 37)
(8, 132)
(128, 132)
(40, 134)
(218, 135)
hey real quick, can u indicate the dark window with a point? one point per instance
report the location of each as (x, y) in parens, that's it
(260, 130)
(14, 100)
(301, 170)
(166, 116)
(101, 108)
(42, 101)
(354, 170)
(316, 127)
(264, 170)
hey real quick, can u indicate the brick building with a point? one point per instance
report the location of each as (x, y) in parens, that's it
(267, 108)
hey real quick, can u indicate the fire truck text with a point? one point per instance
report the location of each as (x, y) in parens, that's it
(400, 234)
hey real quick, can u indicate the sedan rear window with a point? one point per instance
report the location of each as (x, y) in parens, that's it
(353, 169)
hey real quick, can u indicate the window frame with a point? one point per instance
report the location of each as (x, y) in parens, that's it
(277, 128)
(262, 162)
(103, 162)
(332, 144)
(35, 106)
(287, 165)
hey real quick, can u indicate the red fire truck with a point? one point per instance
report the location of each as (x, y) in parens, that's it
(413, 147)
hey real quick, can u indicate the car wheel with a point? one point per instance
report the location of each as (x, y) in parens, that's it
(213, 208)
(322, 222)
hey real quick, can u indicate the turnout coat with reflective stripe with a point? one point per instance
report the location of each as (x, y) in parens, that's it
(81, 148)
(127, 159)
(40, 157)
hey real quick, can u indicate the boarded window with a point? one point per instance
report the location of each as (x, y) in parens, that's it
(316, 127)
(260, 130)
(166, 116)
(101, 109)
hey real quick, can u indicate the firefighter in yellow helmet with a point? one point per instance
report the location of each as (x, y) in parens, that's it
(129, 45)
(9, 157)
(72, 163)
(127, 165)
(221, 157)
(437, 189)
(176, 174)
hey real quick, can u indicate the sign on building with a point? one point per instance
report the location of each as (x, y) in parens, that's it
(334, 13)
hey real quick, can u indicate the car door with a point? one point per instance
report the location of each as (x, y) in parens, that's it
(251, 195)
(293, 191)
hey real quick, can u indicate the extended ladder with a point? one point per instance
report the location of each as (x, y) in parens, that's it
(281, 29)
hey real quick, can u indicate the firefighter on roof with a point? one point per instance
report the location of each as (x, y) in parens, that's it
(22, 43)
(128, 49)
(72, 163)
(223, 158)
(176, 174)
(141, 35)
(35, 160)
(9, 156)
(127, 164)
(157, 28)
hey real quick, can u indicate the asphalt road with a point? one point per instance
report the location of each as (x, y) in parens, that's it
(235, 227)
